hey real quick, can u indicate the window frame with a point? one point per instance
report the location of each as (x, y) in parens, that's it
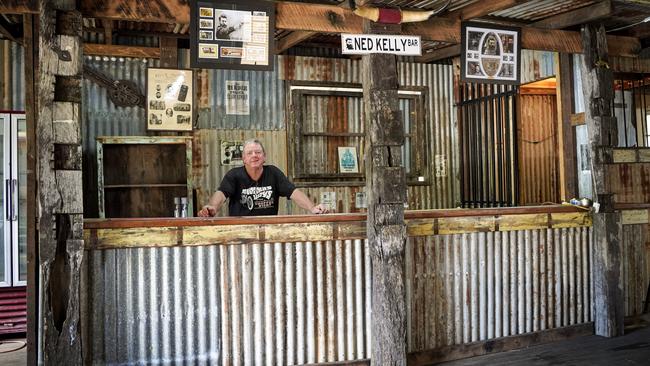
(420, 174)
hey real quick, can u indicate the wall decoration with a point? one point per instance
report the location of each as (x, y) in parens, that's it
(232, 34)
(232, 152)
(490, 54)
(237, 97)
(170, 95)
(348, 159)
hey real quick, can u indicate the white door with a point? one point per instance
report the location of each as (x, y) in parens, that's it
(13, 253)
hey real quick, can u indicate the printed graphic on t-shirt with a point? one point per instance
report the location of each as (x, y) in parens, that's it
(257, 197)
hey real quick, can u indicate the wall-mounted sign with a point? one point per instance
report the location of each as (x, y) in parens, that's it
(363, 44)
(232, 34)
(237, 97)
(169, 99)
(232, 152)
(348, 159)
(490, 54)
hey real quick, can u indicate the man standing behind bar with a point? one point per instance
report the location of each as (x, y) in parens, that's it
(255, 189)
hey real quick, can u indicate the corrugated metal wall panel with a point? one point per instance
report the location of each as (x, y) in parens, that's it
(266, 101)
(207, 157)
(635, 267)
(477, 286)
(12, 78)
(157, 306)
(630, 183)
(274, 303)
(536, 65)
(442, 126)
(102, 118)
(538, 150)
(307, 302)
(319, 69)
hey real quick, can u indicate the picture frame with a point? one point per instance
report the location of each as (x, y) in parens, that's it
(232, 34)
(170, 99)
(490, 54)
(348, 160)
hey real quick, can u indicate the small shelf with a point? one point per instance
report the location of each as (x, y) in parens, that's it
(161, 185)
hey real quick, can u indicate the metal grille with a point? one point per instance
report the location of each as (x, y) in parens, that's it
(488, 145)
(631, 105)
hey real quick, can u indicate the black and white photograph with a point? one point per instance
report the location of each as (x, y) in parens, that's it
(205, 35)
(157, 105)
(473, 40)
(206, 23)
(232, 25)
(182, 107)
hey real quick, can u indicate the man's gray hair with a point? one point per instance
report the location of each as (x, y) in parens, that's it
(254, 141)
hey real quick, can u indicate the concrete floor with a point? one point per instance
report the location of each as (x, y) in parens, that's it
(13, 351)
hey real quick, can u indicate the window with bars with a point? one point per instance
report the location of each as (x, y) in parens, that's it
(328, 116)
(631, 108)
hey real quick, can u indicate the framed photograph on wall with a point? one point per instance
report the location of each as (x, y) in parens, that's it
(170, 95)
(348, 162)
(490, 54)
(232, 34)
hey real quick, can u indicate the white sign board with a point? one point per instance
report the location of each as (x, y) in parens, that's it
(237, 97)
(363, 44)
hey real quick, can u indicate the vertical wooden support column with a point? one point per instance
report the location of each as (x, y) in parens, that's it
(386, 187)
(598, 90)
(60, 218)
(566, 135)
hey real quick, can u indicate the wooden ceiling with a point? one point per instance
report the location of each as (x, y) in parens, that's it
(546, 24)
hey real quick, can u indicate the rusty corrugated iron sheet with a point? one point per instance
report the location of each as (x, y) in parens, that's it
(538, 160)
(102, 118)
(536, 65)
(635, 267)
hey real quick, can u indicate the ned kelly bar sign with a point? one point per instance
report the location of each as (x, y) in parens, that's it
(363, 44)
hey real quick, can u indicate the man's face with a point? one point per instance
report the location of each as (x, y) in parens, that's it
(254, 156)
(223, 21)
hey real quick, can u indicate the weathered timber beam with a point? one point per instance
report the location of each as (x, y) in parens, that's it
(292, 39)
(19, 6)
(162, 11)
(334, 19)
(579, 16)
(440, 54)
(481, 8)
(93, 49)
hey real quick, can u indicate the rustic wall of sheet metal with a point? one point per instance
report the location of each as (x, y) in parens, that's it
(306, 302)
(538, 160)
(537, 65)
(12, 76)
(477, 286)
(630, 183)
(102, 118)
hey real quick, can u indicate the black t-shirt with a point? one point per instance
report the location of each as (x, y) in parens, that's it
(253, 198)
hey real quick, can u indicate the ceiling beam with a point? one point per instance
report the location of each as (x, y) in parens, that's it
(292, 39)
(583, 15)
(440, 54)
(482, 8)
(94, 49)
(334, 19)
(19, 7)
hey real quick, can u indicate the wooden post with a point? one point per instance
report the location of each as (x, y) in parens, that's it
(598, 90)
(566, 135)
(386, 190)
(60, 218)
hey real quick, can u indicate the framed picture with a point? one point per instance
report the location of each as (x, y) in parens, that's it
(490, 54)
(348, 162)
(232, 34)
(170, 94)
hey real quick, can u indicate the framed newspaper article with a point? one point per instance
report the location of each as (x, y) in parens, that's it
(170, 96)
